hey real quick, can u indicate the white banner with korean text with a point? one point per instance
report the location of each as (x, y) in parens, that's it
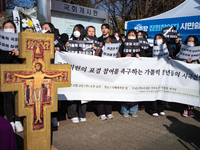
(130, 79)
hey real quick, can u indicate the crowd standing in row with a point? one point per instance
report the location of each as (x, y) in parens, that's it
(104, 108)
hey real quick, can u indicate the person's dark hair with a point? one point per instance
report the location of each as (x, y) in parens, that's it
(64, 38)
(120, 39)
(143, 34)
(10, 21)
(122, 35)
(196, 40)
(164, 40)
(53, 30)
(81, 29)
(90, 27)
(111, 38)
(106, 25)
(132, 30)
(51, 26)
(57, 31)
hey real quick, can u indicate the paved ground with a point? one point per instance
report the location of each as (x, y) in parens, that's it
(170, 132)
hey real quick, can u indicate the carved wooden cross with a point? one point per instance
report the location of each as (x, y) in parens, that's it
(36, 82)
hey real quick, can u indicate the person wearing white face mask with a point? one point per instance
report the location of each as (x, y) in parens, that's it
(9, 106)
(132, 35)
(78, 33)
(130, 108)
(190, 41)
(48, 27)
(141, 34)
(10, 27)
(156, 108)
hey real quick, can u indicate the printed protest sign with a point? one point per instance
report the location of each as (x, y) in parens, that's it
(81, 47)
(189, 51)
(110, 50)
(8, 41)
(131, 46)
(144, 43)
(160, 51)
(94, 39)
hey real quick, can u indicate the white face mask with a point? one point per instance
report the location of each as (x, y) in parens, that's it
(131, 37)
(77, 34)
(44, 31)
(117, 38)
(139, 37)
(190, 44)
(159, 42)
(9, 30)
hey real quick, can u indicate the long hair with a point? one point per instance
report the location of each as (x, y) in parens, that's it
(10, 21)
(143, 33)
(164, 40)
(196, 40)
(81, 29)
(53, 30)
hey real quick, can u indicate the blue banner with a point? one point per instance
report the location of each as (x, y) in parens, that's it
(185, 25)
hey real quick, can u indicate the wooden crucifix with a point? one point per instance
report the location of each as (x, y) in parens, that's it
(35, 82)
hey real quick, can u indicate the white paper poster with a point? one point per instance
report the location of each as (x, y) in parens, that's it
(110, 50)
(189, 51)
(8, 41)
(160, 51)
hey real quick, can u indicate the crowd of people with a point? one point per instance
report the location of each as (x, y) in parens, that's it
(104, 108)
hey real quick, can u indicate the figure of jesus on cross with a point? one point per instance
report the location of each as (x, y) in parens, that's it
(38, 77)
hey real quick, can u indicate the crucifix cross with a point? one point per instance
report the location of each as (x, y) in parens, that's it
(36, 82)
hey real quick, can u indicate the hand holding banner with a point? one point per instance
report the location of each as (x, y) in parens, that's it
(130, 79)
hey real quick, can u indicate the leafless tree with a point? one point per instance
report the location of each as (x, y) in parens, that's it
(125, 10)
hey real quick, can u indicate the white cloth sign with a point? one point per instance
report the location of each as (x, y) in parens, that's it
(16, 20)
(110, 50)
(8, 41)
(37, 25)
(130, 79)
(160, 51)
(189, 51)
